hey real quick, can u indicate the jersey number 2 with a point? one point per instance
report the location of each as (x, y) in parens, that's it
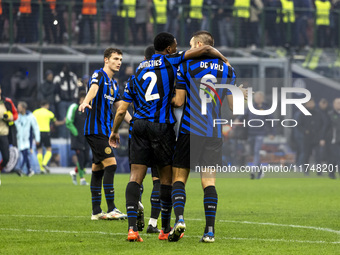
(148, 96)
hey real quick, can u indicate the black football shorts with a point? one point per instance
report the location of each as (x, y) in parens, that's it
(154, 172)
(193, 150)
(100, 147)
(151, 144)
(45, 140)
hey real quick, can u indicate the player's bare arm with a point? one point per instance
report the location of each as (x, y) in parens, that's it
(205, 50)
(127, 117)
(114, 139)
(179, 98)
(59, 122)
(89, 96)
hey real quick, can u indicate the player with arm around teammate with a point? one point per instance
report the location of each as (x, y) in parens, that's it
(153, 137)
(199, 143)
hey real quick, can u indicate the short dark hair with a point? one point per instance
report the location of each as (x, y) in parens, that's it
(44, 102)
(108, 52)
(205, 37)
(149, 51)
(163, 40)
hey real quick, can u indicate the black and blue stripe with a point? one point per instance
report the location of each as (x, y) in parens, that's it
(178, 196)
(158, 72)
(189, 78)
(210, 207)
(99, 119)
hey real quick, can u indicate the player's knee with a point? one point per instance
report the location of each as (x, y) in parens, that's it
(109, 161)
(137, 174)
(207, 182)
(97, 167)
(136, 178)
(180, 174)
(166, 181)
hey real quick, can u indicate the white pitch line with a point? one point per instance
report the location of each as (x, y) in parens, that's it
(226, 221)
(282, 225)
(186, 236)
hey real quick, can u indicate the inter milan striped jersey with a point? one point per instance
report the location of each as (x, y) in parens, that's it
(199, 76)
(151, 88)
(99, 120)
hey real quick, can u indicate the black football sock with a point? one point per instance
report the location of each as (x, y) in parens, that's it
(96, 190)
(109, 173)
(178, 199)
(141, 190)
(132, 195)
(166, 205)
(210, 206)
(155, 201)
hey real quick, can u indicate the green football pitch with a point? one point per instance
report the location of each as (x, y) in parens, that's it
(47, 214)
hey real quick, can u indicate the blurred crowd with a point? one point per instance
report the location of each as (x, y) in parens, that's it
(234, 23)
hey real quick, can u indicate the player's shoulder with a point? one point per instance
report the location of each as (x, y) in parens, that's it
(178, 54)
(131, 79)
(30, 115)
(215, 62)
(51, 114)
(96, 76)
(38, 110)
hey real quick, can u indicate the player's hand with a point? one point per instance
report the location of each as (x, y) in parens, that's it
(83, 106)
(244, 91)
(114, 140)
(322, 143)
